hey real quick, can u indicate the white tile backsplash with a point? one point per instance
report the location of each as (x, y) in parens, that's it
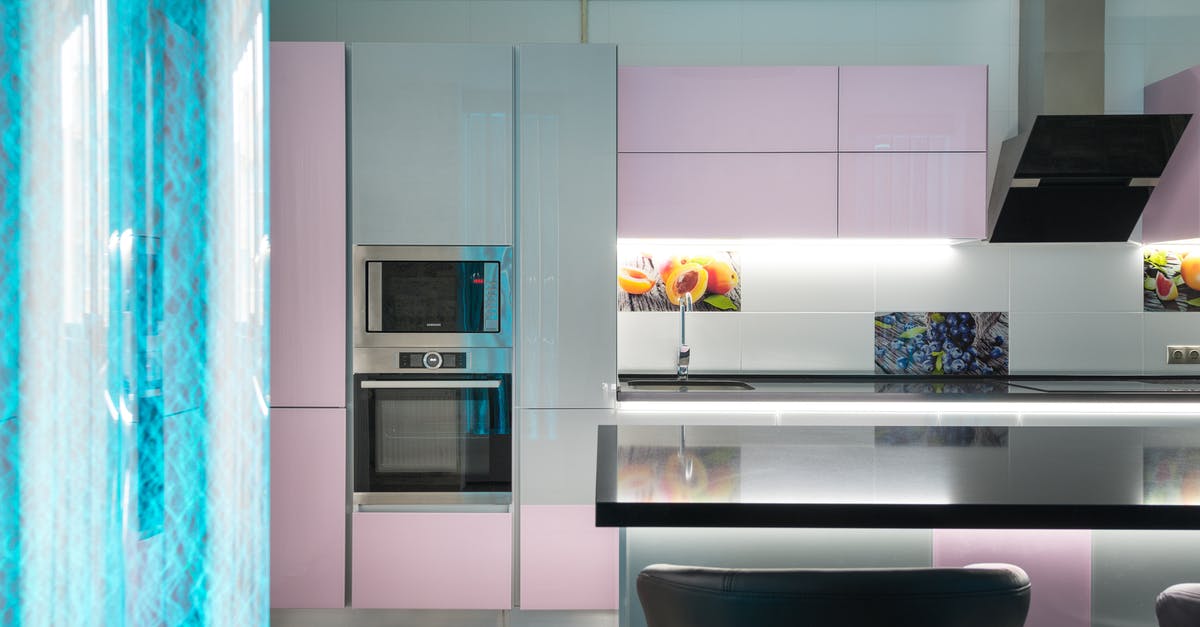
(1103, 277)
(813, 277)
(1095, 343)
(964, 277)
(1161, 328)
(648, 342)
(839, 343)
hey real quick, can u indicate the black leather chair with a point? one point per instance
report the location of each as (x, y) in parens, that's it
(980, 595)
(1179, 606)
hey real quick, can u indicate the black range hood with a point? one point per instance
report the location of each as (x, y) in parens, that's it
(1080, 178)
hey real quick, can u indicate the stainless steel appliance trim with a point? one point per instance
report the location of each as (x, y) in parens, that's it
(430, 499)
(374, 288)
(430, 384)
(1143, 182)
(372, 361)
(1026, 182)
(365, 253)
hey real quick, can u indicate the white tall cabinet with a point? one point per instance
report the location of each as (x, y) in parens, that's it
(567, 331)
(431, 143)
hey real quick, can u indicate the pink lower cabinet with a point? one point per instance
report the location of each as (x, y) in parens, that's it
(935, 195)
(567, 562)
(681, 195)
(453, 561)
(308, 507)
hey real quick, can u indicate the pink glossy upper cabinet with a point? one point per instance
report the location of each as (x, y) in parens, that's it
(939, 195)
(727, 109)
(727, 195)
(1173, 212)
(913, 108)
(308, 225)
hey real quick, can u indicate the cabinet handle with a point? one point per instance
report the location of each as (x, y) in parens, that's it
(429, 384)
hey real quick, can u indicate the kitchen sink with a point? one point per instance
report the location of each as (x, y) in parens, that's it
(671, 385)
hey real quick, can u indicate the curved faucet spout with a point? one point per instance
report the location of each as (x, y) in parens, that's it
(685, 352)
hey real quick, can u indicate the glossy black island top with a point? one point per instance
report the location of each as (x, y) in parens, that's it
(849, 388)
(931, 476)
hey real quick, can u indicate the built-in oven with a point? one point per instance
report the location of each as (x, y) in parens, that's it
(432, 396)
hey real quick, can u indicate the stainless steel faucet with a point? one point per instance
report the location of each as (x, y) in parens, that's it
(685, 352)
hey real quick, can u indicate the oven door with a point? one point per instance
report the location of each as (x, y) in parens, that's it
(441, 438)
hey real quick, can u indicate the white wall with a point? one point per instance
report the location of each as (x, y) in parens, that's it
(1146, 41)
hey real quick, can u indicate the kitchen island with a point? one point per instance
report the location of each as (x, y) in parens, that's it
(888, 471)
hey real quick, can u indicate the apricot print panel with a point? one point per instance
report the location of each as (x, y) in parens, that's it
(1171, 279)
(658, 280)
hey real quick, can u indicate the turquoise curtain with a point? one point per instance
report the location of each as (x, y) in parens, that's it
(133, 312)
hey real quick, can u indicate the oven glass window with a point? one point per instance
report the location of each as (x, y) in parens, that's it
(435, 439)
(434, 296)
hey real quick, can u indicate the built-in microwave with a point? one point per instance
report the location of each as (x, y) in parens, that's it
(432, 296)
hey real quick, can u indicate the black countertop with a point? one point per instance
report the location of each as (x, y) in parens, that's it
(892, 388)
(1092, 477)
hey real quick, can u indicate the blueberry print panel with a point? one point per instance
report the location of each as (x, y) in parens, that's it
(1171, 279)
(941, 343)
(658, 280)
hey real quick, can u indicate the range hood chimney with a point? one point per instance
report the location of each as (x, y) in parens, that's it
(1073, 174)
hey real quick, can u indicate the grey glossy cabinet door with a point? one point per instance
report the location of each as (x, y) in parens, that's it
(567, 225)
(431, 144)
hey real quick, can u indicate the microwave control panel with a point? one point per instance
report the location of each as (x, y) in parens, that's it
(433, 360)
(491, 297)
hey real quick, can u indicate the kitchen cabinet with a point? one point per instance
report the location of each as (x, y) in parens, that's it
(432, 560)
(431, 144)
(308, 225)
(728, 109)
(707, 195)
(566, 562)
(308, 507)
(567, 259)
(1173, 212)
(912, 194)
(913, 108)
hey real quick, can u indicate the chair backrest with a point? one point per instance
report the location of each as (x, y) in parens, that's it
(985, 595)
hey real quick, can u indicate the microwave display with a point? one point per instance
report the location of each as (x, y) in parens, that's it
(433, 297)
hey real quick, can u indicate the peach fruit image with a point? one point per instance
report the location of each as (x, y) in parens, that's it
(721, 277)
(1189, 268)
(634, 281)
(684, 279)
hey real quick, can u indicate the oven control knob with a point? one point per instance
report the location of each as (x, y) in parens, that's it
(432, 360)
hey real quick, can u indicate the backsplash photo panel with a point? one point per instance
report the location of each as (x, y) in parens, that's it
(942, 343)
(658, 280)
(1170, 279)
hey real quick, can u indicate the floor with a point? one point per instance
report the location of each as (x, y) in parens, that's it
(440, 618)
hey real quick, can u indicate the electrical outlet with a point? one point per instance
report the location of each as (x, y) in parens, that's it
(1180, 354)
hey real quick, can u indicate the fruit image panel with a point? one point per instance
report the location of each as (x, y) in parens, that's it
(1171, 279)
(658, 280)
(942, 343)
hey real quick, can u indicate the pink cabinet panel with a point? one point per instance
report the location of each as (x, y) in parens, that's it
(308, 225)
(308, 507)
(727, 109)
(567, 563)
(912, 195)
(1058, 562)
(917, 108)
(727, 195)
(432, 561)
(1173, 212)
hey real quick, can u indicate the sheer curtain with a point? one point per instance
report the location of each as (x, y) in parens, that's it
(133, 312)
